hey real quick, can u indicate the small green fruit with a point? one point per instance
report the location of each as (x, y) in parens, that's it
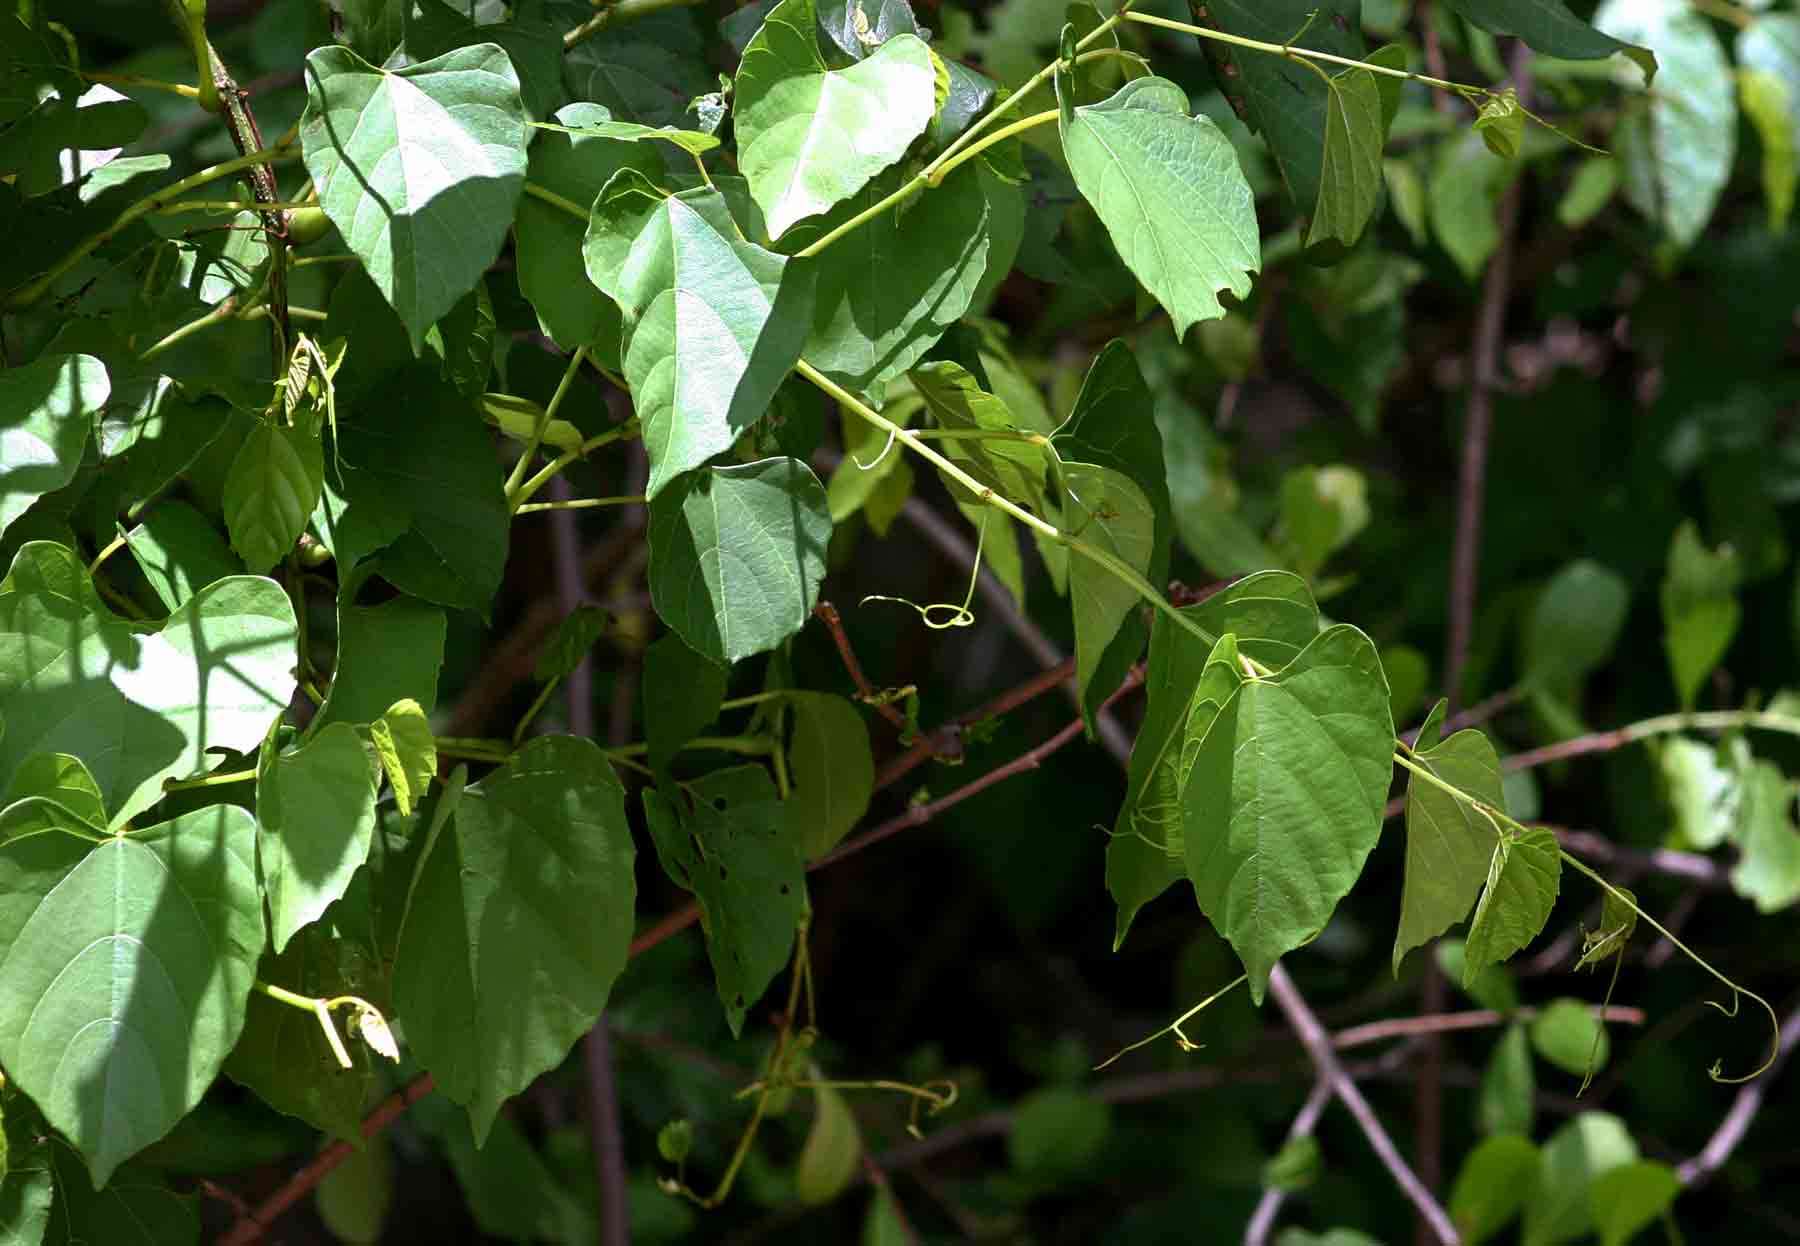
(306, 225)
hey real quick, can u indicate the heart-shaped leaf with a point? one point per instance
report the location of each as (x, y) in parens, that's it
(1448, 843)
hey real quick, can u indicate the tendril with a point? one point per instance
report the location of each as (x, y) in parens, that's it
(876, 461)
(958, 616)
(1174, 1027)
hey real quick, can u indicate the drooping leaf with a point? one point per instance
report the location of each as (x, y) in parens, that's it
(1559, 1204)
(46, 409)
(407, 751)
(1547, 26)
(1449, 844)
(830, 1157)
(521, 913)
(1501, 123)
(1507, 1103)
(1104, 509)
(682, 690)
(180, 551)
(833, 770)
(809, 136)
(1630, 1198)
(315, 816)
(75, 679)
(573, 165)
(1350, 169)
(271, 491)
(725, 837)
(1284, 799)
(1273, 617)
(1491, 1187)
(419, 168)
(713, 323)
(126, 970)
(1699, 608)
(1676, 147)
(736, 555)
(1170, 192)
(386, 653)
(1521, 890)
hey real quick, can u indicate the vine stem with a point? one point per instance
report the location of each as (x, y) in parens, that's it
(527, 490)
(319, 1009)
(577, 504)
(622, 11)
(1292, 53)
(516, 478)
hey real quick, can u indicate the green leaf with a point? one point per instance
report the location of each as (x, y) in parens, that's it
(890, 289)
(573, 165)
(386, 653)
(1501, 124)
(46, 409)
(682, 690)
(1559, 1206)
(833, 770)
(1168, 188)
(1284, 101)
(1448, 843)
(1331, 1237)
(270, 492)
(736, 555)
(519, 418)
(1768, 868)
(1350, 170)
(1592, 187)
(809, 136)
(315, 817)
(1618, 919)
(1574, 626)
(1463, 195)
(644, 70)
(1013, 468)
(1284, 799)
(1630, 1198)
(1699, 608)
(1507, 1103)
(693, 142)
(1295, 1167)
(519, 921)
(180, 552)
(531, 40)
(62, 780)
(1565, 1034)
(419, 168)
(355, 1197)
(26, 1184)
(713, 323)
(1547, 26)
(127, 967)
(1491, 1187)
(282, 1054)
(568, 646)
(1272, 615)
(134, 1209)
(725, 838)
(1105, 510)
(1322, 510)
(1057, 1134)
(1521, 890)
(137, 708)
(407, 751)
(1768, 55)
(1676, 148)
(829, 1159)
(511, 1192)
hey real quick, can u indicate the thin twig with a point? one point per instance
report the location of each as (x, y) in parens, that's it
(827, 614)
(1447, 1022)
(1737, 1122)
(946, 739)
(1688, 865)
(1324, 1057)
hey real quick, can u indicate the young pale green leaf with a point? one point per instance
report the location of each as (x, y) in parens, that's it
(315, 816)
(1568, 1035)
(419, 168)
(1630, 1198)
(520, 418)
(1618, 919)
(1170, 192)
(61, 779)
(1768, 56)
(1700, 609)
(1559, 1204)
(1492, 1186)
(713, 323)
(573, 165)
(1284, 799)
(1350, 169)
(810, 137)
(385, 654)
(1448, 843)
(46, 409)
(1676, 147)
(1272, 616)
(1591, 188)
(125, 974)
(407, 751)
(830, 1158)
(1522, 881)
(1501, 123)
(834, 771)
(180, 551)
(736, 555)
(521, 914)
(1768, 868)
(682, 690)
(1507, 1102)
(270, 492)
(725, 837)
(282, 1054)
(569, 645)
(889, 290)
(1104, 509)
(137, 708)
(1547, 26)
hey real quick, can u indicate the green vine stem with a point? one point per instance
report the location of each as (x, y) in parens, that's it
(516, 478)
(579, 504)
(624, 432)
(365, 1020)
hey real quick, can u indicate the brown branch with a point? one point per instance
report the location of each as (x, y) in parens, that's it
(946, 740)
(827, 614)
(1688, 865)
(1448, 1022)
(1324, 1057)
(1742, 1114)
